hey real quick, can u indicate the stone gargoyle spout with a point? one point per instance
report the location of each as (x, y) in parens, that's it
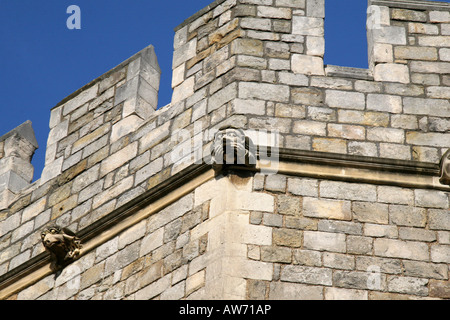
(445, 169)
(64, 246)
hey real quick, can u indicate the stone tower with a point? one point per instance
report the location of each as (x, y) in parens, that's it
(269, 175)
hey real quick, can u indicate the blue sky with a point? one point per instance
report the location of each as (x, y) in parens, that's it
(42, 61)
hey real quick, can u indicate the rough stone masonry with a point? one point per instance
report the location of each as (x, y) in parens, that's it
(352, 207)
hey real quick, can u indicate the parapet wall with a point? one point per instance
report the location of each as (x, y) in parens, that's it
(255, 65)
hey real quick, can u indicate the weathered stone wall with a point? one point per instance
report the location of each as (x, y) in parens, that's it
(340, 240)
(148, 260)
(256, 65)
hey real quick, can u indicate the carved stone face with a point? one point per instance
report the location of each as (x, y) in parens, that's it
(445, 169)
(62, 244)
(231, 146)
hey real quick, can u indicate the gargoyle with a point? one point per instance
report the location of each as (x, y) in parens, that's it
(231, 146)
(63, 245)
(445, 169)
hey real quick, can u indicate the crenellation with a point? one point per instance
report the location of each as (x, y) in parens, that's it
(352, 210)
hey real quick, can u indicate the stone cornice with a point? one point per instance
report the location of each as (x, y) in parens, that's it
(412, 4)
(321, 165)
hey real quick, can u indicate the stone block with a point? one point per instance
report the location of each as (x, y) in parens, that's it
(401, 249)
(391, 72)
(416, 234)
(307, 26)
(422, 28)
(184, 52)
(312, 128)
(303, 187)
(58, 132)
(415, 53)
(346, 131)
(382, 52)
(290, 111)
(358, 280)
(438, 219)
(91, 137)
(377, 230)
(125, 126)
(149, 170)
(118, 159)
(409, 15)
(377, 119)
(395, 195)
(362, 148)
(293, 79)
(439, 289)
(345, 100)
(307, 257)
(251, 47)
(152, 241)
(79, 100)
(308, 65)
(345, 294)
(263, 91)
(384, 103)
(307, 96)
(288, 205)
(395, 151)
(315, 46)
(184, 90)
(287, 237)
(438, 92)
(328, 209)
(444, 54)
(386, 135)
(340, 227)
(389, 35)
(359, 245)
(154, 137)
(300, 4)
(251, 62)
(440, 17)
(307, 275)
(279, 64)
(37, 290)
(315, 8)
(51, 170)
(407, 216)
(113, 192)
(132, 234)
(330, 145)
(324, 241)
(273, 12)
(272, 220)
(338, 261)
(347, 191)
(431, 198)
(154, 289)
(428, 139)
(440, 253)
(404, 122)
(408, 285)
(331, 83)
(10, 181)
(294, 291)
(430, 67)
(256, 23)
(370, 212)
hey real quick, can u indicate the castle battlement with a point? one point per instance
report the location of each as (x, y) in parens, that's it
(352, 179)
